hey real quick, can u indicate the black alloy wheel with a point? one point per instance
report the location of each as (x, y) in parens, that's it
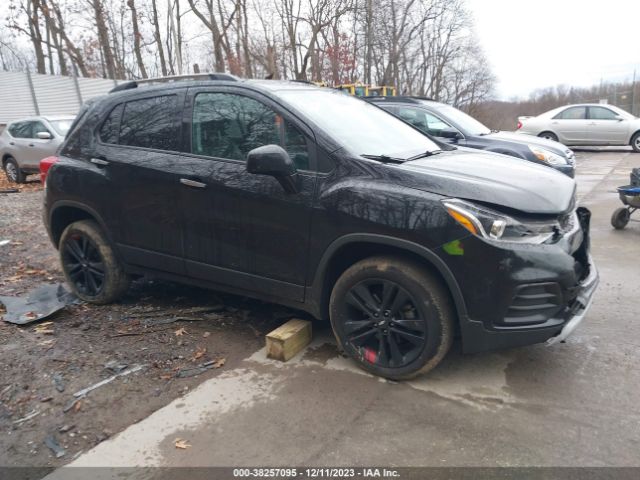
(384, 324)
(83, 264)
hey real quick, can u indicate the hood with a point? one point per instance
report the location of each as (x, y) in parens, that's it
(526, 139)
(496, 179)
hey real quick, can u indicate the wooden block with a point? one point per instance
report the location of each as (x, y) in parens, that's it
(285, 341)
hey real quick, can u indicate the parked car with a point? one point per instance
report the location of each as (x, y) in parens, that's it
(317, 200)
(449, 124)
(585, 124)
(25, 142)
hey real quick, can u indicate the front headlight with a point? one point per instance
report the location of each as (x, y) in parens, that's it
(487, 223)
(547, 156)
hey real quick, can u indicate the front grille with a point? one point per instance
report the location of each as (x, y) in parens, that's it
(534, 303)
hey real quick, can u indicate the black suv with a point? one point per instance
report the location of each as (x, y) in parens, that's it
(317, 200)
(451, 125)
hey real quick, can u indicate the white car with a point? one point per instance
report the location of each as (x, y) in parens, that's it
(25, 142)
(585, 124)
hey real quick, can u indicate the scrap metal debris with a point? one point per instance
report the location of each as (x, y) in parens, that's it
(198, 369)
(4, 242)
(37, 304)
(51, 442)
(84, 391)
(29, 416)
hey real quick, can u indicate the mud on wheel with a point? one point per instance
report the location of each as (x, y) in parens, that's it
(392, 317)
(90, 265)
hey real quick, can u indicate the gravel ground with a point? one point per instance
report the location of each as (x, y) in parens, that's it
(171, 330)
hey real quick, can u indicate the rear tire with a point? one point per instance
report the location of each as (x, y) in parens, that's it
(392, 317)
(549, 136)
(13, 172)
(635, 142)
(90, 265)
(620, 218)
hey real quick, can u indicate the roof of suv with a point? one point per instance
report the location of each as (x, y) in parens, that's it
(259, 84)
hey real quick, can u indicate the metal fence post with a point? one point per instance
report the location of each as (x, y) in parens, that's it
(33, 93)
(77, 85)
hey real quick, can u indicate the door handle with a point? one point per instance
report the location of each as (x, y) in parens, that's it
(12, 143)
(31, 145)
(99, 161)
(192, 183)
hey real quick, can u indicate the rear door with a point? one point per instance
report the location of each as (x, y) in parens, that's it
(138, 148)
(571, 126)
(604, 127)
(243, 230)
(18, 144)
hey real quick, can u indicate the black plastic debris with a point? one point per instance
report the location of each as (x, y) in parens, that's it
(37, 304)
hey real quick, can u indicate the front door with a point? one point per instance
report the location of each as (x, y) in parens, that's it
(605, 127)
(244, 230)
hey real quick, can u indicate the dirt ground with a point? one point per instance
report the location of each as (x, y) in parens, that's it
(179, 335)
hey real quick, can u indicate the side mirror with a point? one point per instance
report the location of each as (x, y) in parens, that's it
(273, 160)
(451, 133)
(44, 135)
(619, 118)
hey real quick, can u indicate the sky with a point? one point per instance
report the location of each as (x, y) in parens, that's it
(533, 44)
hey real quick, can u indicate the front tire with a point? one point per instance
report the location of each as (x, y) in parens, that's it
(635, 142)
(392, 317)
(13, 172)
(549, 136)
(620, 218)
(90, 264)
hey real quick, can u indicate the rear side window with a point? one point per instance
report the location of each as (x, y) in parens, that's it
(573, 113)
(150, 123)
(109, 130)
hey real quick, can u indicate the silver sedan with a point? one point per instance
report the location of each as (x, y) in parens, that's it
(25, 142)
(585, 124)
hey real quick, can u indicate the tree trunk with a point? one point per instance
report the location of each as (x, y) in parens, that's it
(136, 37)
(103, 38)
(158, 38)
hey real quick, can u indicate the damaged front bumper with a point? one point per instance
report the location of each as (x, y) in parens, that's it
(581, 306)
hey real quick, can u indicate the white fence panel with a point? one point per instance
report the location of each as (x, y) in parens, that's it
(15, 97)
(56, 95)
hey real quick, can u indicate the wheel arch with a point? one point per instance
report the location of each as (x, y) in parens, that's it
(349, 249)
(633, 135)
(64, 213)
(6, 157)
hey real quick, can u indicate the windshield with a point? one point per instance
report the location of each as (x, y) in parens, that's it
(362, 128)
(466, 123)
(61, 126)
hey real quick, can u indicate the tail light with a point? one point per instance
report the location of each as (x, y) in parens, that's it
(519, 125)
(45, 165)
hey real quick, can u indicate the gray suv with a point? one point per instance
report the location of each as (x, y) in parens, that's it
(25, 142)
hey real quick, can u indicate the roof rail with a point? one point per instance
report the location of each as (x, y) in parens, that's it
(172, 78)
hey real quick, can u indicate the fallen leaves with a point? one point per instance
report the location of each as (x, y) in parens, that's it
(198, 354)
(219, 362)
(180, 332)
(181, 444)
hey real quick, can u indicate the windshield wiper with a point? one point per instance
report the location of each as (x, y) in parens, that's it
(428, 153)
(383, 158)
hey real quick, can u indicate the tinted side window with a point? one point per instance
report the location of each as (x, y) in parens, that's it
(150, 123)
(109, 130)
(227, 125)
(601, 113)
(573, 113)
